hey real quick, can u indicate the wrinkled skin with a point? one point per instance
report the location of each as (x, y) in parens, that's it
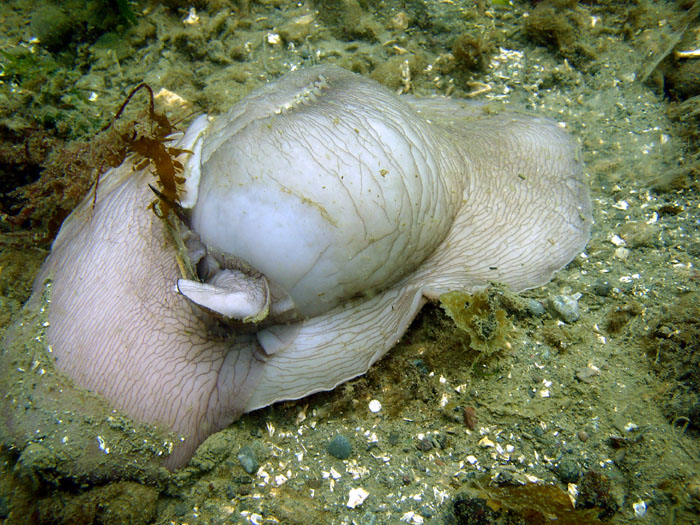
(350, 207)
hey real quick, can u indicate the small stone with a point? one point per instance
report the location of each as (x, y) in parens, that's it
(242, 479)
(35, 460)
(587, 374)
(420, 365)
(583, 435)
(426, 512)
(568, 471)
(439, 440)
(297, 29)
(339, 447)
(535, 308)
(424, 445)
(595, 490)
(602, 288)
(248, 461)
(181, 508)
(399, 21)
(53, 27)
(565, 307)
(244, 490)
(693, 490)
(622, 253)
(470, 419)
(506, 477)
(638, 234)
(4, 508)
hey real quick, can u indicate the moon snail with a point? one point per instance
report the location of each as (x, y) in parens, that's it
(321, 213)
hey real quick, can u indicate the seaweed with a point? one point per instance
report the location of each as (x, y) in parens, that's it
(70, 170)
(127, 14)
(482, 316)
(25, 68)
(67, 172)
(473, 53)
(530, 503)
(673, 345)
(150, 149)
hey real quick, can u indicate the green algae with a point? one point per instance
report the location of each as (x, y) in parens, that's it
(481, 317)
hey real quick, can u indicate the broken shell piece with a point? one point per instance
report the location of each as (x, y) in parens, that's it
(485, 442)
(356, 497)
(640, 508)
(230, 295)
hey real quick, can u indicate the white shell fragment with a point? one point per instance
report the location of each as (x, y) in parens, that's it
(565, 307)
(412, 517)
(640, 508)
(375, 406)
(485, 442)
(356, 497)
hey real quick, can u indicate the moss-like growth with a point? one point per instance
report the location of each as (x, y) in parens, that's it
(349, 20)
(52, 26)
(561, 26)
(538, 503)
(473, 53)
(27, 69)
(481, 316)
(554, 23)
(673, 343)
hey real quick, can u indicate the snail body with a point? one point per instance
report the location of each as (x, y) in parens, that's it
(322, 212)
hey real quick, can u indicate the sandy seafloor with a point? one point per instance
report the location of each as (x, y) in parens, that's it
(615, 392)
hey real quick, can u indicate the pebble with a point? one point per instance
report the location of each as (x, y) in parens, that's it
(426, 511)
(52, 26)
(587, 374)
(339, 447)
(181, 508)
(568, 471)
(602, 288)
(424, 445)
(565, 307)
(420, 365)
(693, 489)
(535, 308)
(36, 458)
(248, 461)
(470, 419)
(297, 29)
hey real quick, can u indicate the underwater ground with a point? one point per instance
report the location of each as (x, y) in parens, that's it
(602, 410)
